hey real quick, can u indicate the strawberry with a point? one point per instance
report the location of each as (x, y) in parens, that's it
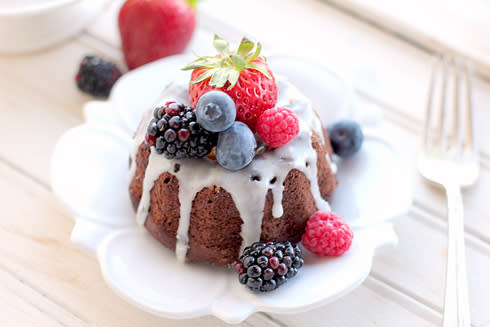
(242, 74)
(153, 29)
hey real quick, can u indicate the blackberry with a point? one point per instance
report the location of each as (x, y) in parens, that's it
(96, 76)
(176, 134)
(264, 267)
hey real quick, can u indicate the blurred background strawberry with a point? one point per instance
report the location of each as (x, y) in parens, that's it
(153, 29)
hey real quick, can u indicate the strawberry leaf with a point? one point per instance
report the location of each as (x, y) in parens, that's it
(203, 62)
(233, 78)
(245, 47)
(222, 46)
(259, 68)
(251, 57)
(219, 78)
(227, 67)
(238, 62)
(193, 3)
(207, 74)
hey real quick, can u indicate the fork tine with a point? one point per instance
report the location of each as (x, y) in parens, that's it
(458, 109)
(430, 103)
(470, 130)
(443, 117)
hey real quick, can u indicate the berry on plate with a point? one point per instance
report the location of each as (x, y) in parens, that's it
(346, 137)
(153, 29)
(96, 76)
(242, 74)
(327, 234)
(215, 111)
(277, 126)
(236, 147)
(264, 267)
(174, 132)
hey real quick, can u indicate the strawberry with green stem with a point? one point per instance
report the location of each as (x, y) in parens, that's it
(243, 74)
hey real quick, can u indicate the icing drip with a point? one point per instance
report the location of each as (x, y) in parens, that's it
(332, 164)
(277, 209)
(248, 187)
(139, 138)
(157, 165)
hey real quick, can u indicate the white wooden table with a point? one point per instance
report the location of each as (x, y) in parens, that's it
(46, 281)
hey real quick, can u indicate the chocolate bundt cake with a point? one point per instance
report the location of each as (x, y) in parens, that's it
(207, 214)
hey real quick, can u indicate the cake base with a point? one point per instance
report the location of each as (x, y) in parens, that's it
(215, 222)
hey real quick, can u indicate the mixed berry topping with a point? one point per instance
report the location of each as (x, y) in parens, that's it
(346, 137)
(175, 133)
(236, 147)
(264, 267)
(277, 126)
(96, 76)
(327, 234)
(234, 95)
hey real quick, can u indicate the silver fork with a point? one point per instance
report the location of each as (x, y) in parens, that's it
(449, 157)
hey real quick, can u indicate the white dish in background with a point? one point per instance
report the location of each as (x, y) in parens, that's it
(147, 274)
(30, 25)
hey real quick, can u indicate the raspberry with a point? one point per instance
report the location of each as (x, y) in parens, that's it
(277, 126)
(327, 234)
(96, 76)
(175, 133)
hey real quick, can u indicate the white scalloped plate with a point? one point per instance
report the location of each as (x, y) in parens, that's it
(89, 175)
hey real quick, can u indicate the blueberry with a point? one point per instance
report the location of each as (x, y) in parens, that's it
(215, 111)
(346, 137)
(236, 147)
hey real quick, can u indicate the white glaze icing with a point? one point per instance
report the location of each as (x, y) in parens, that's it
(248, 193)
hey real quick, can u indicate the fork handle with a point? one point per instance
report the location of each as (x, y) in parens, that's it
(456, 305)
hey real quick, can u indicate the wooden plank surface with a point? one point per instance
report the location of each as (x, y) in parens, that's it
(456, 27)
(20, 305)
(44, 278)
(385, 307)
